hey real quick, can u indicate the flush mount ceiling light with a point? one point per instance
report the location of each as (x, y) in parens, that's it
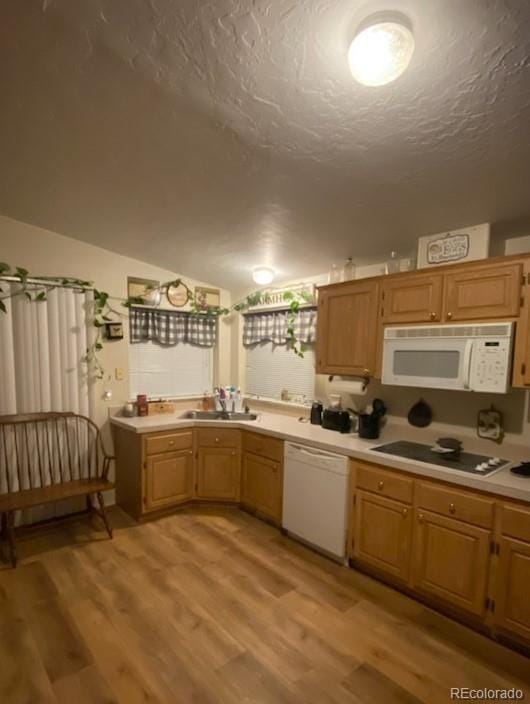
(262, 275)
(381, 50)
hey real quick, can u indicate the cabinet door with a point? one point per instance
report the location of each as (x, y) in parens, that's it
(261, 485)
(412, 299)
(218, 473)
(168, 479)
(512, 578)
(451, 561)
(347, 328)
(383, 534)
(483, 294)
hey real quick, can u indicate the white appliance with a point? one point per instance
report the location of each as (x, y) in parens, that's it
(464, 357)
(315, 498)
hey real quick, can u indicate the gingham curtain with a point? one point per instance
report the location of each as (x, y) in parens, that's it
(169, 328)
(263, 327)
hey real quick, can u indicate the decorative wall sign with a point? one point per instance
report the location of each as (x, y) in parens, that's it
(455, 246)
(207, 296)
(177, 295)
(147, 290)
(114, 331)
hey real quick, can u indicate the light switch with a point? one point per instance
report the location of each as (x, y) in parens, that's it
(119, 374)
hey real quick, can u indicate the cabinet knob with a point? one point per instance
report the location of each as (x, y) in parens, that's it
(190, 452)
(432, 315)
(216, 439)
(420, 517)
(367, 372)
(171, 442)
(405, 512)
(449, 315)
(452, 508)
(381, 485)
(233, 454)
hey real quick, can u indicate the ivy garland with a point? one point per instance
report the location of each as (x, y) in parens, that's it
(35, 288)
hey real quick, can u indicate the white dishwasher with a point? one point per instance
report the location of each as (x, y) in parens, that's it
(315, 498)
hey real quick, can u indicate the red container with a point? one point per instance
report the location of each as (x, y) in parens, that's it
(142, 407)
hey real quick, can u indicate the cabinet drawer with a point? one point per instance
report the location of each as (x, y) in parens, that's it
(455, 504)
(263, 446)
(385, 483)
(168, 442)
(215, 437)
(515, 522)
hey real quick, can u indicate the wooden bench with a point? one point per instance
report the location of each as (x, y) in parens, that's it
(47, 457)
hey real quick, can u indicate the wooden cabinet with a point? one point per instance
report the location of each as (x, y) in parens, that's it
(347, 328)
(483, 293)
(512, 577)
(262, 485)
(168, 479)
(383, 534)
(451, 561)
(512, 593)
(218, 464)
(413, 298)
(262, 475)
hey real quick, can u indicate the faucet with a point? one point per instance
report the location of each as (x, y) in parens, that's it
(224, 413)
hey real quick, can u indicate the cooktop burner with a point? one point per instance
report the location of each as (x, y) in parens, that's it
(465, 462)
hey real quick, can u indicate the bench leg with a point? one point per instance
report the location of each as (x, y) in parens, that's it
(10, 526)
(103, 515)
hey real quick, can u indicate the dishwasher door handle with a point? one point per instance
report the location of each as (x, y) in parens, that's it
(315, 453)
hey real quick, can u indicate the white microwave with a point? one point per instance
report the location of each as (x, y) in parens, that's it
(460, 357)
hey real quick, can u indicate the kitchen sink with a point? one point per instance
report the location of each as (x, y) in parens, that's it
(219, 415)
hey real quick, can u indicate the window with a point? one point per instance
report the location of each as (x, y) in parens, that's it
(271, 368)
(164, 371)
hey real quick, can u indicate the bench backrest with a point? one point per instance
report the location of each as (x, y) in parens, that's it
(40, 449)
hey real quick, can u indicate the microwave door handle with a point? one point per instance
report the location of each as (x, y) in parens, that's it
(467, 363)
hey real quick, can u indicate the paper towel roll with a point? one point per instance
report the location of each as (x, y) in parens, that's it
(347, 385)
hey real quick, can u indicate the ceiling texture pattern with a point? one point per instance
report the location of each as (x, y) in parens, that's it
(211, 137)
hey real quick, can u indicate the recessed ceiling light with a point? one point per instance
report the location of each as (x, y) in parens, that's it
(380, 52)
(262, 275)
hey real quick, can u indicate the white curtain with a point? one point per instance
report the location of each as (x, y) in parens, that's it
(42, 345)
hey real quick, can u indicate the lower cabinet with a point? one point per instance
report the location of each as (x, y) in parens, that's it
(168, 479)
(383, 534)
(451, 561)
(262, 485)
(512, 602)
(217, 473)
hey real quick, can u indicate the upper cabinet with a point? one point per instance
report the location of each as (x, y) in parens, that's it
(474, 293)
(347, 328)
(416, 298)
(483, 293)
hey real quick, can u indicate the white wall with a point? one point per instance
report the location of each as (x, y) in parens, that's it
(46, 253)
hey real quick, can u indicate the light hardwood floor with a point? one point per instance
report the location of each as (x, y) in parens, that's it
(214, 606)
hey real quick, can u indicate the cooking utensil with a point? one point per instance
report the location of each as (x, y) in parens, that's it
(420, 415)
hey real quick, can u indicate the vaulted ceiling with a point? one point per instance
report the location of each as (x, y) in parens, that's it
(210, 137)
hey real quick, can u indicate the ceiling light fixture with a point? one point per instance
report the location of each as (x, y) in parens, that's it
(262, 275)
(381, 50)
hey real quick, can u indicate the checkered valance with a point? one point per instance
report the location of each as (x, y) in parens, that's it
(170, 328)
(262, 327)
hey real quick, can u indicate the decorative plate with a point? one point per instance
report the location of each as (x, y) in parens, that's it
(177, 295)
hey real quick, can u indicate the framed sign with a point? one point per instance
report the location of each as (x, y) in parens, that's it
(208, 296)
(454, 246)
(146, 289)
(177, 295)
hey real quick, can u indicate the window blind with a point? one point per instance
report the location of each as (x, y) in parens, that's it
(272, 368)
(168, 372)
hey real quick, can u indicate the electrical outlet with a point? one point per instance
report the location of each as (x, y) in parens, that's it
(119, 374)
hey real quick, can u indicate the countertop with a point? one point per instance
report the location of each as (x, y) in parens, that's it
(501, 483)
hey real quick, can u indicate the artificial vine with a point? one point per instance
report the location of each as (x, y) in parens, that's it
(36, 288)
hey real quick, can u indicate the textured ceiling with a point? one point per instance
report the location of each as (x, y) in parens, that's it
(209, 137)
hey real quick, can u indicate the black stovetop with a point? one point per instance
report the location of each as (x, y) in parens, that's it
(465, 462)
